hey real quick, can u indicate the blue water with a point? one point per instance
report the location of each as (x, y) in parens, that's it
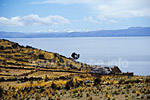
(129, 53)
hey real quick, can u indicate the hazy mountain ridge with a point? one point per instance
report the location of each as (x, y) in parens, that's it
(132, 31)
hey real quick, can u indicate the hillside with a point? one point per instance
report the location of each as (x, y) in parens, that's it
(132, 31)
(27, 73)
(13, 55)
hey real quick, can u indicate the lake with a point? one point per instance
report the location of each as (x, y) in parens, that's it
(131, 54)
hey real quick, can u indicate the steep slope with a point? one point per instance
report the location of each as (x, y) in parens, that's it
(15, 56)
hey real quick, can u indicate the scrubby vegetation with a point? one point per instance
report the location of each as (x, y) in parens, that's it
(89, 87)
(15, 56)
(27, 73)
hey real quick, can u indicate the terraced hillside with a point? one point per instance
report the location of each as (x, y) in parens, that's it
(27, 73)
(22, 64)
(16, 56)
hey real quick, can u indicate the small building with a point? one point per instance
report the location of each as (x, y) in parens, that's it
(105, 70)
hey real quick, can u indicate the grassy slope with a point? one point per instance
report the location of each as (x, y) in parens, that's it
(13, 55)
(37, 63)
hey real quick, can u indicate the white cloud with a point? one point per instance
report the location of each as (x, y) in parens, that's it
(66, 2)
(33, 20)
(75, 30)
(111, 21)
(90, 19)
(111, 8)
(46, 31)
(10, 22)
(124, 8)
(99, 20)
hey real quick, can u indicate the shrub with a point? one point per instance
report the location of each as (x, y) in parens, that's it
(121, 81)
(54, 86)
(90, 98)
(142, 97)
(61, 60)
(127, 91)
(128, 86)
(69, 84)
(115, 92)
(148, 97)
(41, 56)
(133, 91)
(147, 91)
(137, 93)
(1, 91)
(126, 96)
(28, 98)
(87, 95)
(97, 81)
(123, 92)
(15, 45)
(147, 80)
(58, 98)
(1, 47)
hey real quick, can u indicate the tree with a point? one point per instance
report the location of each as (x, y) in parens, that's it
(75, 55)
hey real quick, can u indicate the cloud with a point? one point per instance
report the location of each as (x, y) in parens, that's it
(76, 30)
(99, 20)
(45, 31)
(33, 20)
(10, 22)
(124, 8)
(111, 21)
(66, 2)
(111, 8)
(90, 19)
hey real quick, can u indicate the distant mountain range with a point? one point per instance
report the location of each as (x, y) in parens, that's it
(132, 31)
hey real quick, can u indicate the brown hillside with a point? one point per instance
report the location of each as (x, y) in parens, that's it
(14, 56)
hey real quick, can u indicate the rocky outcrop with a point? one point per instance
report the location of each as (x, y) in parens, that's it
(105, 70)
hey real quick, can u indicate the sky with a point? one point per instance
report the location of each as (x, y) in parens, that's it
(72, 15)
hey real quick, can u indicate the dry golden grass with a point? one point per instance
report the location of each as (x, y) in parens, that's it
(47, 67)
(137, 87)
(13, 71)
(50, 75)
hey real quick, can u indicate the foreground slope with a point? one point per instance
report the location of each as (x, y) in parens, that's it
(27, 73)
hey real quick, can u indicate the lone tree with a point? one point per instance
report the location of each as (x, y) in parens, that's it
(75, 56)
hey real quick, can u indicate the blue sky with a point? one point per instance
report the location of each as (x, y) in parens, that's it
(72, 15)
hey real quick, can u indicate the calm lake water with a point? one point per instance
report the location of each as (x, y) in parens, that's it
(129, 53)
